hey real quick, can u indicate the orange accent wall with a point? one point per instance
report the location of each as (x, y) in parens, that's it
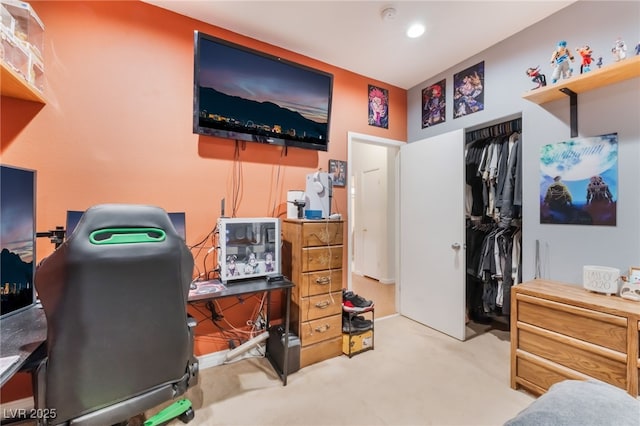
(117, 125)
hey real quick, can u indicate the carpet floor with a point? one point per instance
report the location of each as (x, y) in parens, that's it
(414, 376)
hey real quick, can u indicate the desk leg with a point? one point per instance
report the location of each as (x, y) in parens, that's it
(285, 367)
(282, 374)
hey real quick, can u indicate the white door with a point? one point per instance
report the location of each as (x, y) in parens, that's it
(373, 209)
(431, 236)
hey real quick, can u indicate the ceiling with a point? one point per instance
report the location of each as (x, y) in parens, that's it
(354, 36)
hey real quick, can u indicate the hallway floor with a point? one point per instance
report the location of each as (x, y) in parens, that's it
(383, 295)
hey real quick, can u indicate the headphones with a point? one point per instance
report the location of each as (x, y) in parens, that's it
(316, 185)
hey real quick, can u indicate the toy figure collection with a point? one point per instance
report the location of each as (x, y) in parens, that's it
(562, 56)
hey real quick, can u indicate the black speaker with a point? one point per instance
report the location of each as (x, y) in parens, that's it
(275, 349)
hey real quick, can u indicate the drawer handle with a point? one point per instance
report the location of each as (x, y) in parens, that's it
(323, 280)
(323, 328)
(323, 305)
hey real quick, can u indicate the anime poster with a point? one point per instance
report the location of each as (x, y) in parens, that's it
(378, 107)
(579, 181)
(468, 91)
(434, 105)
(338, 172)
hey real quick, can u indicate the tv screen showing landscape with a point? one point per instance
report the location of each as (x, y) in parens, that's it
(246, 95)
(17, 238)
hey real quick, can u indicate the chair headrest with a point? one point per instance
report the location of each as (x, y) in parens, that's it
(142, 222)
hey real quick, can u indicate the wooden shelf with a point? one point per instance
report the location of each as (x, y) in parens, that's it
(598, 77)
(14, 86)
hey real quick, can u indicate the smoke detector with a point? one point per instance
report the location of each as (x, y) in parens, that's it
(388, 13)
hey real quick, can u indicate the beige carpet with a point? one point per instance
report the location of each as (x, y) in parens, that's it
(414, 376)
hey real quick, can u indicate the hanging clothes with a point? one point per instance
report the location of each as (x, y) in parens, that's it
(493, 166)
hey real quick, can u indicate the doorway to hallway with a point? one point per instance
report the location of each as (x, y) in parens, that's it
(383, 295)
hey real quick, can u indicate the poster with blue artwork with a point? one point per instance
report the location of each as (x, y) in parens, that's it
(468, 91)
(579, 181)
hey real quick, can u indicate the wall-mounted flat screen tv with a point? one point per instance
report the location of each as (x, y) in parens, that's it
(246, 95)
(17, 238)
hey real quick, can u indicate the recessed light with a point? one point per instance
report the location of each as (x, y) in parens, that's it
(415, 30)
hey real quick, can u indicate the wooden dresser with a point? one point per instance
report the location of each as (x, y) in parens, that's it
(312, 259)
(561, 331)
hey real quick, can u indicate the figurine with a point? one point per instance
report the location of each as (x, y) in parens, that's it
(619, 50)
(560, 60)
(585, 52)
(599, 63)
(638, 48)
(536, 77)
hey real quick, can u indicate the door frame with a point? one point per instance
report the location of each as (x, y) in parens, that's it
(353, 138)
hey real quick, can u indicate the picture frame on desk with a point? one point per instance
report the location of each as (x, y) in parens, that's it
(634, 274)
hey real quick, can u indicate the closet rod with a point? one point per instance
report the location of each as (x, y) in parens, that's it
(495, 130)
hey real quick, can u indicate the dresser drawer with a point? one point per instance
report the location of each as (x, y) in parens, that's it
(585, 358)
(539, 375)
(321, 329)
(600, 328)
(320, 282)
(319, 258)
(321, 233)
(321, 305)
(320, 351)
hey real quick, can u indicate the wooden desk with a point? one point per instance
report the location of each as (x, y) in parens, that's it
(207, 290)
(22, 334)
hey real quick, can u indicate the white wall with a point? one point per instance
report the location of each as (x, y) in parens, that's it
(614, 108)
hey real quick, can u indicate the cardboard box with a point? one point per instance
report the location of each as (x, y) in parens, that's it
(357, 342)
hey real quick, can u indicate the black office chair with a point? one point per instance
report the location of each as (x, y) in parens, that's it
(119, 340)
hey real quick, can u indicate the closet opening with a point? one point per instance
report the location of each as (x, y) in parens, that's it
(493, 217)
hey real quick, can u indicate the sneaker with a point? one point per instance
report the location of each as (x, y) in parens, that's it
(355, 324)
(351, 302)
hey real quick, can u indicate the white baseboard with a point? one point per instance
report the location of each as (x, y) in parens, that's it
(215, 359)
(212, 360)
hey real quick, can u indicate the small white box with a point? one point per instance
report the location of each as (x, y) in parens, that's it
(601, 279)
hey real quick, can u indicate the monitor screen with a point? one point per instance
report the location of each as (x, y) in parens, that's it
(17, 238)
(178, 219)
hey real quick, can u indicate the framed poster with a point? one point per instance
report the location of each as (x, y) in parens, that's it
(468, 91)
(579, 181)
(378, 107)
(338, 172)
(434, 104)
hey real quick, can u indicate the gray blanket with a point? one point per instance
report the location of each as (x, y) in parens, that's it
(583, 403)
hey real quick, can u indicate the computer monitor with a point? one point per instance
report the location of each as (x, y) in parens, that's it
(178, 219)
(17, 239)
